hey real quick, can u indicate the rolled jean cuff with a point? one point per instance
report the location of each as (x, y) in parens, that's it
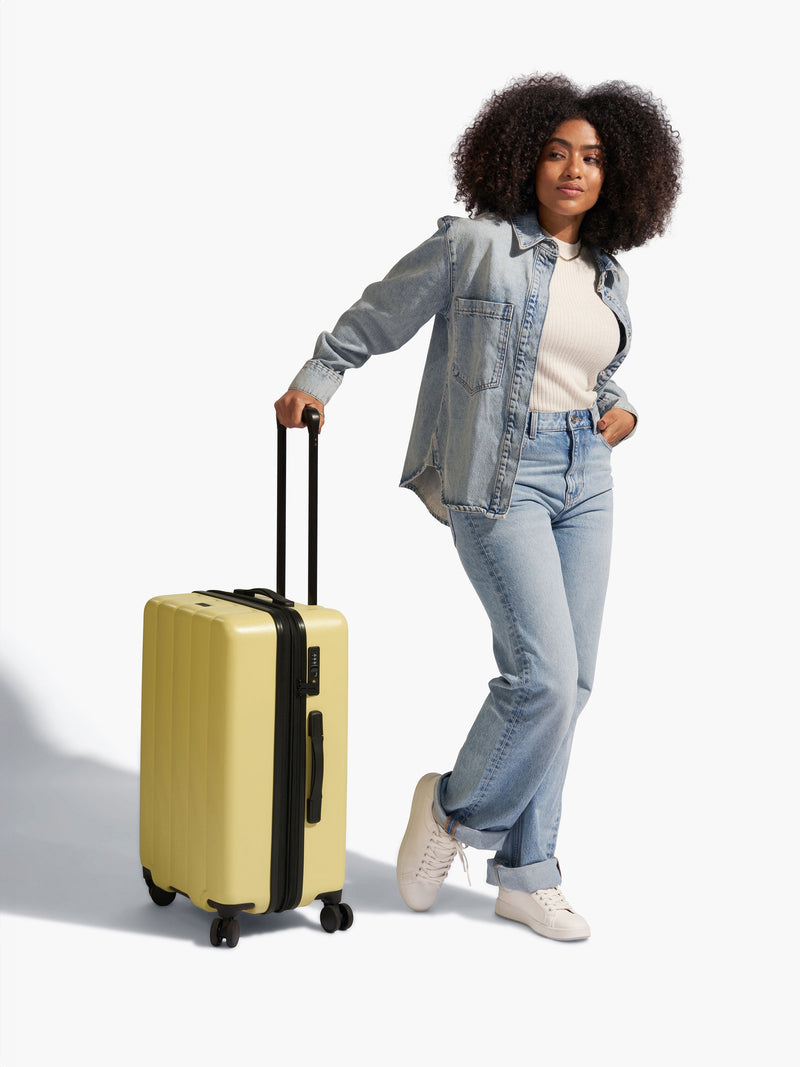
(490, 840)
(544, 875)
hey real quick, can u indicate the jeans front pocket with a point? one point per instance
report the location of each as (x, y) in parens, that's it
(481, 340)
(610, 447)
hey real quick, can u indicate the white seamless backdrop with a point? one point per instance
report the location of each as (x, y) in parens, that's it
(190, 193)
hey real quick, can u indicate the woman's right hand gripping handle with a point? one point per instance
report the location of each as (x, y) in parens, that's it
(289, 408)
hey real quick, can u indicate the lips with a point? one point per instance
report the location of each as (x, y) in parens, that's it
(570, 190)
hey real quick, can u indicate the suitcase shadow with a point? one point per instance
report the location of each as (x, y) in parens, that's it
(69, 840)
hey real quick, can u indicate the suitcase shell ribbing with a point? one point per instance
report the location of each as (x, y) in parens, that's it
(208, 759)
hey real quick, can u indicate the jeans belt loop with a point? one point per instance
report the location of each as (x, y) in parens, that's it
(532, 425)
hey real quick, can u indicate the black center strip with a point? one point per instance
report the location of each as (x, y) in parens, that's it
(289, 781)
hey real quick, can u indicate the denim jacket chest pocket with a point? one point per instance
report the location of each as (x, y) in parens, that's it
(481, 332)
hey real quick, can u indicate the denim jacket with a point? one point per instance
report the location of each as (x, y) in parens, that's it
(485, 283)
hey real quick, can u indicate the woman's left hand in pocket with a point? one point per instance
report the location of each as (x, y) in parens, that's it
(615, 425)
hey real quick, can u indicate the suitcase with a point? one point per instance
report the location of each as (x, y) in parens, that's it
(244, 743)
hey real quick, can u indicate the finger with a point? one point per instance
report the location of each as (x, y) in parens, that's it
(611, 427)
(283, 413)
(289, 413)
(606, 428)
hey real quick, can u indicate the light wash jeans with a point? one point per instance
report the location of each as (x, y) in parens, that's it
(541, 574)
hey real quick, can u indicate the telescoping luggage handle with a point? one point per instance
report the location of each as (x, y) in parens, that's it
(312, 420)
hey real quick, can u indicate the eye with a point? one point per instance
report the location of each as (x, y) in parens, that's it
(594, 159)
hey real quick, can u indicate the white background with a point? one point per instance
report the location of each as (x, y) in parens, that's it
(191, 191)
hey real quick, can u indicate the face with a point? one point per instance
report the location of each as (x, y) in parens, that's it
(569, 177)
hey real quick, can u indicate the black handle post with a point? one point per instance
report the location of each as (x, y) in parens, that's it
(280, 537)
(312, 420)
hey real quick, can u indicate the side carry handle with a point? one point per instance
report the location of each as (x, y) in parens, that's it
(314, 806)
(312, 420)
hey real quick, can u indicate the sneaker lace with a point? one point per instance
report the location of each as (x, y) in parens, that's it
(553, 899)
(438, 856)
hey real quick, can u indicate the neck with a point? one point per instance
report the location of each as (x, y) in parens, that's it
(564, 227)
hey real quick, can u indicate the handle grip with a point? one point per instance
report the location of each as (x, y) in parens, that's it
(311, 418)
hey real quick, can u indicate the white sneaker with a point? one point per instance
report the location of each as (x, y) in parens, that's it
(426, 850)
(546, 911)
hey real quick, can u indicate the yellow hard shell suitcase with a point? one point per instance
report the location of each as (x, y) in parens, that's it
(244, 744)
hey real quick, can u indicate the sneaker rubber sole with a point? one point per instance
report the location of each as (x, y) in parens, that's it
(506, 910)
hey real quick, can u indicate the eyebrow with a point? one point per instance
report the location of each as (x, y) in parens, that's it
(567, 144)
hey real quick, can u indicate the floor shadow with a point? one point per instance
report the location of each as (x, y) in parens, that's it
(69, 840)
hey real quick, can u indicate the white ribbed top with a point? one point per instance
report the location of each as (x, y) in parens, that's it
(580, 335)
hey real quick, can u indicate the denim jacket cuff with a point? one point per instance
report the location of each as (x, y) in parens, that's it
(317, 380)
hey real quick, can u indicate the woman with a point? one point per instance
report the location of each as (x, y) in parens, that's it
(511, 444)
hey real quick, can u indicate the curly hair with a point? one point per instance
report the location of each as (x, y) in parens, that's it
(495, 159)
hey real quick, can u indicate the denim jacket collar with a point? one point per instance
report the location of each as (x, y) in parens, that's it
(529, 233)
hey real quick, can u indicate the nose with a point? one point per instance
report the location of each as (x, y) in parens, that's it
(572, 167)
